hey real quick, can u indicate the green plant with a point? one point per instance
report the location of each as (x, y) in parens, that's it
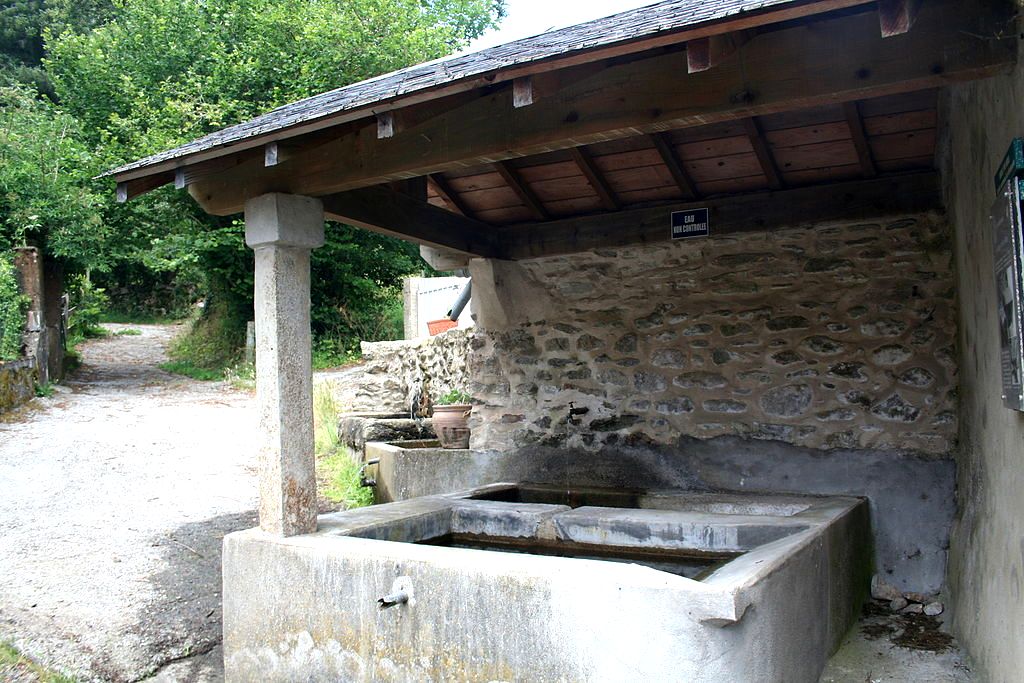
(187, 369)
(454, 397)
(129, 332)
(337, 471)
(44, 390)
(12, 311)
(10, 657)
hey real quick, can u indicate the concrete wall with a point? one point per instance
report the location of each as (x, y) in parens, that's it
(986, 568)
(840, 336)
(430, 298)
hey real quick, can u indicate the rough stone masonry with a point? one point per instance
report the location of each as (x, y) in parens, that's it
(839, 336)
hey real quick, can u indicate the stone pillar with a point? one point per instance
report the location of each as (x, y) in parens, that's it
(282, 230)
(29, 265)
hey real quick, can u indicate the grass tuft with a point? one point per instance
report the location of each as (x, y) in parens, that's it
(10, 657)
(337, 470)
(186, 368)
(129, 332)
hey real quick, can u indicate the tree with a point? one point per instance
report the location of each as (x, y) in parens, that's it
(46, 196)
(163, 72)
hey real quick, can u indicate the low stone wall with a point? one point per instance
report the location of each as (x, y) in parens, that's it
(17, 383)
(398, 374)
(838, 336)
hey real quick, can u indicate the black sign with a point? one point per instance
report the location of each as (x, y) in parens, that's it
(691, 223)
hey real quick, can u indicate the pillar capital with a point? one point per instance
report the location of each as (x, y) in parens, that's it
(284, 220)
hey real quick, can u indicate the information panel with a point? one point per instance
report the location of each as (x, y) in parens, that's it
(690, 223)
(1008, 243)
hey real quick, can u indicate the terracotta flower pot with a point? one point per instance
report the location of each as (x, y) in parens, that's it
(436, 327)
(451, 423)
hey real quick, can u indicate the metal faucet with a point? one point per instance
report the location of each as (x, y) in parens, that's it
(572, 418)
(363, 480)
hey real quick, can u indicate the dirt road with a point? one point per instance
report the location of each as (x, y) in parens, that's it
(115, 494)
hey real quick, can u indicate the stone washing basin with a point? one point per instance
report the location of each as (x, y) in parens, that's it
(535, 583)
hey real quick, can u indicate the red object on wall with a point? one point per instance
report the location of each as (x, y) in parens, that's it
(436, 327)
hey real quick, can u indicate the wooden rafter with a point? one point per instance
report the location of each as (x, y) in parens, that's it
(522, 190)
(395, 213)
(708, 52)
(763, 153)
(448, 195)
(860, 139)
(597, 181)
(791, 68)
(663, 143)
(859, 200)
(896, 17)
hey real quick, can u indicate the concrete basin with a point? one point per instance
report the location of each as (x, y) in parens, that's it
(535, 583)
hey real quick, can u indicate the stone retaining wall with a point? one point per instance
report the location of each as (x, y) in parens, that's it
(17, 383)
(399, 373)
(840, 336)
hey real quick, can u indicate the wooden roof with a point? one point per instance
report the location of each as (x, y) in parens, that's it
(784, 117)
(625, 32)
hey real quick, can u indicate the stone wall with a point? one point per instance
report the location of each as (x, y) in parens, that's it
(841, 336)
(986, 567)
(17, 383)
(398, 373)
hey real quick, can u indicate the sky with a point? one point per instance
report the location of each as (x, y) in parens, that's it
(529, 17)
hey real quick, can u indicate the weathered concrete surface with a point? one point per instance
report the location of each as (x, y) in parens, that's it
(17, 383)
(282, 230)
(480, 616)
(355, 430)
(114, 496)
(986, 576)
(911, 497)
(836, 337)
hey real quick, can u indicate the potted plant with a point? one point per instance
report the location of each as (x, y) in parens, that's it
(451, 419)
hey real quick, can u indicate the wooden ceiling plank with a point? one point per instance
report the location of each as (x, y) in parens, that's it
(383, 210)
(662, 143)
(596, 180)
(764, 153)
(809, 206)
(522, 190)
(522, 92)
(448, 195)
(896, 17)
(791, 68)
(860, 139)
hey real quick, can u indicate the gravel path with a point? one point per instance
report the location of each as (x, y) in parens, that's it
(115, 494)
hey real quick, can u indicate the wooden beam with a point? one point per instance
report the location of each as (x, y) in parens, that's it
(394, 213)
(860, 139)
(792, 68)
(450, 196)
(895, 17)
(597, 181)
(706, 53)
(385, 125)
(663, 143)
(803, 207)
(522, 92)
(763, 153)
(131, 189)
(522, 190)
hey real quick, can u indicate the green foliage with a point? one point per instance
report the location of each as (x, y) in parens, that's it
(454, 397)
(180, 367)
(129, 332)
(46, 196)
(12, 311)
(337, 471)
(10, 657)
(44, 390)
